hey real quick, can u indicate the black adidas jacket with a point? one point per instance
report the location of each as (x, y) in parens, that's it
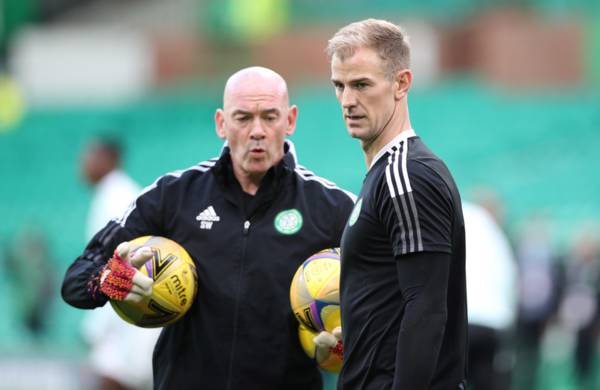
(240, 333)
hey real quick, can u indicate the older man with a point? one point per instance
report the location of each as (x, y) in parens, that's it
(267, 215)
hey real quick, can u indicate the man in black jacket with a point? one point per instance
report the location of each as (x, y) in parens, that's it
(248, 219)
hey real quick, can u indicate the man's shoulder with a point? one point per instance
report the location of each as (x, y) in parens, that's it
(318, 184)
(183, 176)
(190, 173)
(407, 168)
(422, 162)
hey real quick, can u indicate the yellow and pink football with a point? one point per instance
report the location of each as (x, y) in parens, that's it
(314, 292)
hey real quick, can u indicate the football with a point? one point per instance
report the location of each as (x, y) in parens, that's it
(174, 289)
(332, 362)
(314, 292)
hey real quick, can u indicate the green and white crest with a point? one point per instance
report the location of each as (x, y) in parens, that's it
(355, 213)
(288, 221)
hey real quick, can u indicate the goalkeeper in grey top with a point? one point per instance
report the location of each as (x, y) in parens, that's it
(402, 292)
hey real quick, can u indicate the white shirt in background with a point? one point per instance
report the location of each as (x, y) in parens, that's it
(118, 349)
(112, 195)
(491, 271)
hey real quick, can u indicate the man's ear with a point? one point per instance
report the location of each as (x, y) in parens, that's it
(292, 116)
(403, 83)
(220, 124)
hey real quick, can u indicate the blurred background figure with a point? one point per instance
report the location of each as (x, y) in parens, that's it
(30, 271)
(120, 353)
(492, 300)
(489, 200)
(579, 310)
(113, 189)
(540, 289)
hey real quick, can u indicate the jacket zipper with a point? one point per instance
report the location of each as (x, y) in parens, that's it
(245, 231)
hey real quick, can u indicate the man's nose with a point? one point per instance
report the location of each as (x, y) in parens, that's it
(347, 98)
(258, 130)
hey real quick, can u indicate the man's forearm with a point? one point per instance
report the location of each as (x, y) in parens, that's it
(79, 286)
(423, 279)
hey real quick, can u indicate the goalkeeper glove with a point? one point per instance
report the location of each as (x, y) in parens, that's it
(329, 343)
(120, 279)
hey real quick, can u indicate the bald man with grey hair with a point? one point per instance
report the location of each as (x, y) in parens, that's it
(255, 119)
(248, 218)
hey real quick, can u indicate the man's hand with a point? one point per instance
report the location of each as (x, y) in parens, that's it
(120, 280)
(328, 344)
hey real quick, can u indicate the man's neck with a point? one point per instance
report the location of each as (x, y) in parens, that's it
(249, 183)
(395, 127)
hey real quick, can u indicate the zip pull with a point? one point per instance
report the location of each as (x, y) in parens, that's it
(246, 227)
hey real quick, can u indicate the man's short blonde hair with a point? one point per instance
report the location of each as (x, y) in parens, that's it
(387, 39)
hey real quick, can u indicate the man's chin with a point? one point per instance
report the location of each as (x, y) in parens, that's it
(355, 132)
(258, 167)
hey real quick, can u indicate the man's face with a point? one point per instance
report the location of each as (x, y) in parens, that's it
(255, 120)
(96, 163)
(368, 98)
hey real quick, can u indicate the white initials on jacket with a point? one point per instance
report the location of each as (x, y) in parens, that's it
(207, 217)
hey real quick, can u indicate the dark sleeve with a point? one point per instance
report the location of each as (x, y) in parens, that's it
(423, 281)
(78, 288)
(144, 216)
(416, 207)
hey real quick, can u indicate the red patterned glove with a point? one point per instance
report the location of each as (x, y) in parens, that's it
(120, 280)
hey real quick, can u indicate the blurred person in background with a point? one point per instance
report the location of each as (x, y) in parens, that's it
(579, 309)
(488, 199)
(113, 189)
(540, 289)
(268, 214)
(121, 353)
(492, 295)
(31, 274)
(402, 282)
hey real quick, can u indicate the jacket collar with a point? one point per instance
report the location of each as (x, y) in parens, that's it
(223, 171)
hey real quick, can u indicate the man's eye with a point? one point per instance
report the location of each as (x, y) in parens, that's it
(242, 118)
(360, 85)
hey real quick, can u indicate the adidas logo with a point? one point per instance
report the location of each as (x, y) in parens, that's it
(207, 218)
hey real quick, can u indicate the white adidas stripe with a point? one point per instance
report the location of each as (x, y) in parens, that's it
(404, 171)
(389, 180)
(409, 225)
(397, 174)
(388, 177)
